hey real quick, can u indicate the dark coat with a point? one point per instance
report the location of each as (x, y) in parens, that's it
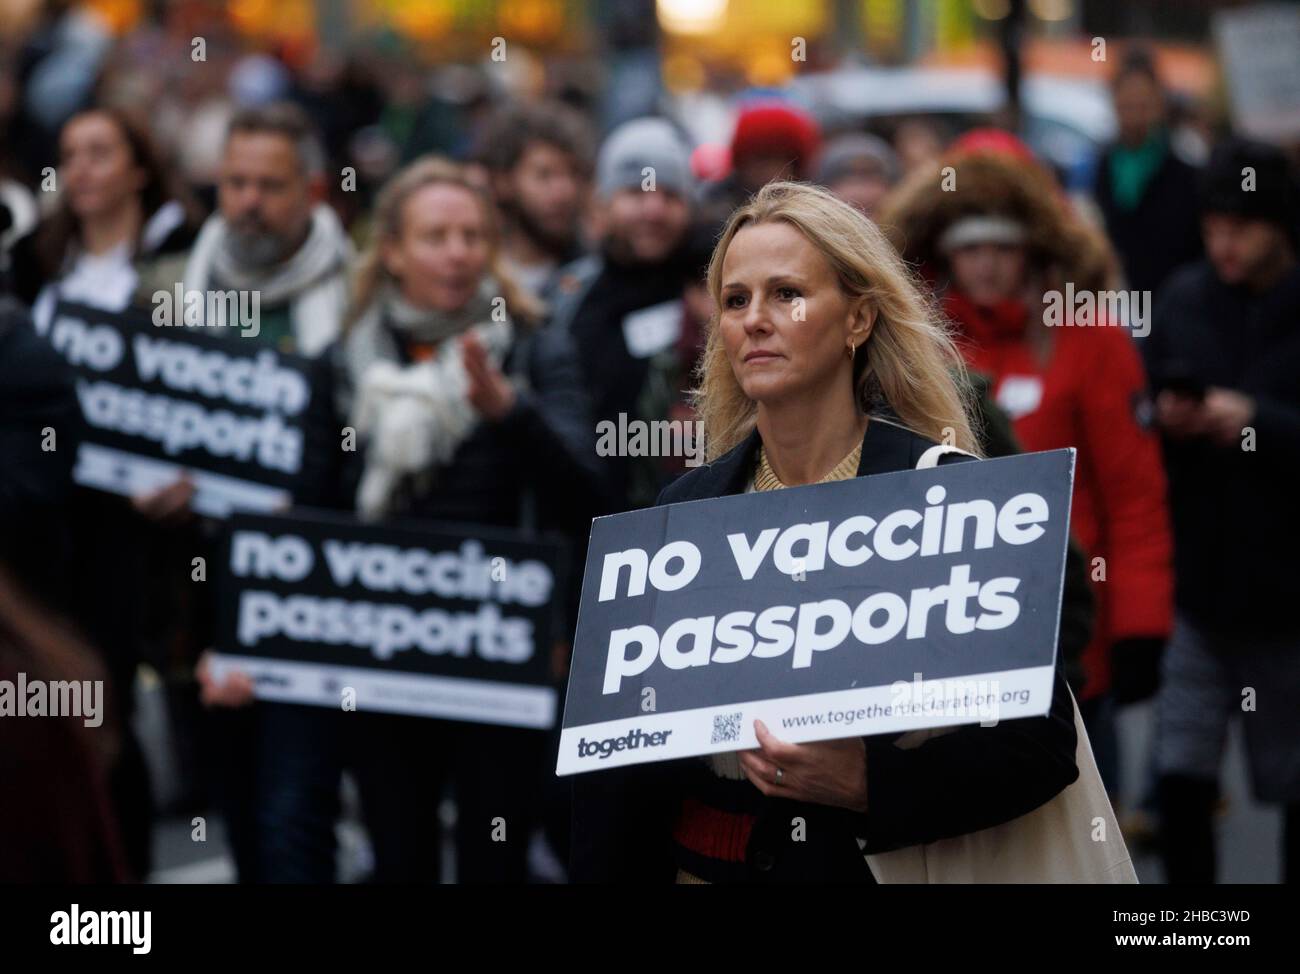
(1162, 232)
(36, 393)
(1236, 523)
(535, 467)
(27, 274)
(970, 779)
(590, 302)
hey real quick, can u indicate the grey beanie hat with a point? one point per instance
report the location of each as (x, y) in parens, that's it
(843, 151)
(644, 142)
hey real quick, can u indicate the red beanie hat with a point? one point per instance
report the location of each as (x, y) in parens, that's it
(776, 128)
(994, 141)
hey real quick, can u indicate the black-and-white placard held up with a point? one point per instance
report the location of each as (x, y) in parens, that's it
(162, 401)
(448, 621)
(889, 603)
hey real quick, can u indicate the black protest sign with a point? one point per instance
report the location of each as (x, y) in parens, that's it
(894, 602)
(440, 622)
(159, 401)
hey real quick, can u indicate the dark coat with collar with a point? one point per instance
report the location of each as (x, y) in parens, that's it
(970, 779)
(1162, 232)
(1236, 523)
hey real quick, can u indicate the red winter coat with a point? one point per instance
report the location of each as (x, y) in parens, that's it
(1086, 396)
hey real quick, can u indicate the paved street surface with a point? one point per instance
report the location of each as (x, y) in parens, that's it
(1249, 833)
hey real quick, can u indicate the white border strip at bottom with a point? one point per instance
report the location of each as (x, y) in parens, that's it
(216, 495)
(418, 694)
(691, 732)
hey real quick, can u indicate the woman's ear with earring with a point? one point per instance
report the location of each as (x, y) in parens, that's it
(863, 320)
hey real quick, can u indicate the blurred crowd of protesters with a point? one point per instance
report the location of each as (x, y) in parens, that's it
(230, 178)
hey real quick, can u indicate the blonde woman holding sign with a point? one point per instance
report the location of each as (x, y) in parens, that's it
(824, 363)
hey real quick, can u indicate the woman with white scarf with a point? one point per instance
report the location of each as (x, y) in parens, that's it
(465, 412)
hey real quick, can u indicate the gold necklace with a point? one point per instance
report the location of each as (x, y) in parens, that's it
(765, 477)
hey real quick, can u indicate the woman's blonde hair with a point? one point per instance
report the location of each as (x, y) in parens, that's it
(386, 227)
(909, 362)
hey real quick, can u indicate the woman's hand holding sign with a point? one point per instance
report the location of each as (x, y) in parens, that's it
(821, 772)
(169, 504)
(236, 690)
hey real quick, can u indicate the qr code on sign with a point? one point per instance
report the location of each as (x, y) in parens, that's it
(726, 727)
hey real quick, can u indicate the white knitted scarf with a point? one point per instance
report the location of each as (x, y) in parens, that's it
(412, 418)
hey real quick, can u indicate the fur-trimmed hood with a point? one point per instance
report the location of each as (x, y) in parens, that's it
(1061, 244)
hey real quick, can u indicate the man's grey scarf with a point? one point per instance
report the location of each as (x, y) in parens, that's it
(313, 280)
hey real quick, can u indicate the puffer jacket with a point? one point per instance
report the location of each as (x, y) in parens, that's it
(1089, 393)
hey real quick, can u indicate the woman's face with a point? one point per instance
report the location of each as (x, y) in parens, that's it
(442, 249)
(784, 320)
(98, 170)
(989, 273)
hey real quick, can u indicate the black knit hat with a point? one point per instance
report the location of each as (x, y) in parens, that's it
(1275, 196)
